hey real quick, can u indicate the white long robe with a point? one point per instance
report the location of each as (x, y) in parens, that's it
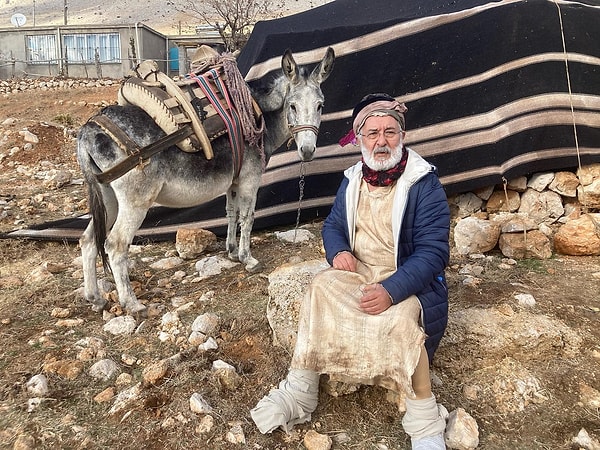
(336, 337)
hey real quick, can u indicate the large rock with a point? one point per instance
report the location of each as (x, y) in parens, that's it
(287, 286)
(191, 242)
(474, 235)
(565, 183)
(529, 244)
(579, 237)
(588, 192)
(543, 207)
(508, 201)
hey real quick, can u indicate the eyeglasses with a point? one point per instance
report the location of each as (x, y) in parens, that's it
(387, 134)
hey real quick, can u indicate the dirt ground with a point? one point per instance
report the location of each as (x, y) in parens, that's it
(565, 288)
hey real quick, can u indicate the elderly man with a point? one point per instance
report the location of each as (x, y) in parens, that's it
(378, 314)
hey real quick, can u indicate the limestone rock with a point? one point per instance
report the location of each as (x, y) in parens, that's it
(207, 324)
(315, 441)
(540, 181)
(192, 242)
(579, 237)
(104, 370)
(126, 399)
(518, 184)
(66, 368)
(156, 372)
(565, 183)
(235, 435)
(38, 386)
(462, 431)
(120, 325)
(473, 235)
(532, 244)
(199, 405)
(524, 335)
(212, 265)
(588, 192)
(467, 204)
(542, 207)
(287, 285)
(503, 201)
(295, 236)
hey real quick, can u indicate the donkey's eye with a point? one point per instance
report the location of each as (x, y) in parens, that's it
(293, 108)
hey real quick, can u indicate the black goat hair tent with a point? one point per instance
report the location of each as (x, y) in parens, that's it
(494, 90)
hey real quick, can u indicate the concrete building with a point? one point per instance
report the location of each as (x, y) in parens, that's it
(93, 51)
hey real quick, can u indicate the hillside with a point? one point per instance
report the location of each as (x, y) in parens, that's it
(163, 16)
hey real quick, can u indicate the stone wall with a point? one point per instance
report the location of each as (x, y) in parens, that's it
(16, 85)
(535, 217)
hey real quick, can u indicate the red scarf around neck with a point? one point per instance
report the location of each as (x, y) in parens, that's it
(385, 177)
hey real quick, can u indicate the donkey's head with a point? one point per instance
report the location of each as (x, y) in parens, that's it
(304, 102)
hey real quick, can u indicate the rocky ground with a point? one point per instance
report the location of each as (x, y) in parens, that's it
(521, 355)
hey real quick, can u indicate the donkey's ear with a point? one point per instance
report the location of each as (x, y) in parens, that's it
(323, 70)
(289, 66)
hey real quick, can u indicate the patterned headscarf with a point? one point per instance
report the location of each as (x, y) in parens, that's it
(372, 105)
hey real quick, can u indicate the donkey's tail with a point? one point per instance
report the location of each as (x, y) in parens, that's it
(98, 213)
(96, 204)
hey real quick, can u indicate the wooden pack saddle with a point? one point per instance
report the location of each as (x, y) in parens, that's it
(200, 101)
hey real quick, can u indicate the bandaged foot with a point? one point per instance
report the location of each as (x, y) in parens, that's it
(292, 403)
(425, 422)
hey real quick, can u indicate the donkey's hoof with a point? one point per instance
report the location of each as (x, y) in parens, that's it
(99, 305)
(254, 266)
(136, 309)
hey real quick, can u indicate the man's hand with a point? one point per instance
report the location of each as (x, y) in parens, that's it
(375, 299)
(345, 261)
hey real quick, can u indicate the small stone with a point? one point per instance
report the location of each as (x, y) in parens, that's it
(124, 379)
(206, 425)
(120, 325)
(154, 373)
(69, 369)
(24, 442)
(105, 396)
(199, 405)
(315, 441)
(60, 313)
(207, 324)
(38, 386)
(235, 435)
(525, 299)
(104, 370)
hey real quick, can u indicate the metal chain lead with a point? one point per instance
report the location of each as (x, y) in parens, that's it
(301, 183)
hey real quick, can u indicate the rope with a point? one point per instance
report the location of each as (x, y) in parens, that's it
(562, 35)
(242, 99)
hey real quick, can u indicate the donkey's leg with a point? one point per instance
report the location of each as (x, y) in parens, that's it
(128, 221)
(232, 213)
(246, 205)
(89, 253)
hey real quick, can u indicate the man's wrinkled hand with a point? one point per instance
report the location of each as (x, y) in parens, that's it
(345, 261)
(375, 299)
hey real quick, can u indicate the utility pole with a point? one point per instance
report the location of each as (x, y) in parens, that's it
(34, 13)
(65, 13)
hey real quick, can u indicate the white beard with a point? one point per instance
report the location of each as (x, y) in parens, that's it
(381, 165)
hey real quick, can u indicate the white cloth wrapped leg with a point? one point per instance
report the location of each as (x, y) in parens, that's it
(292, 403)
(425, 422)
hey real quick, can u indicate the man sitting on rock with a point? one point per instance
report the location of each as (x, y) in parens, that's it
(377, 315)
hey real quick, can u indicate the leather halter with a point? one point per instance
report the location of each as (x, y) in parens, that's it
(297, 128)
